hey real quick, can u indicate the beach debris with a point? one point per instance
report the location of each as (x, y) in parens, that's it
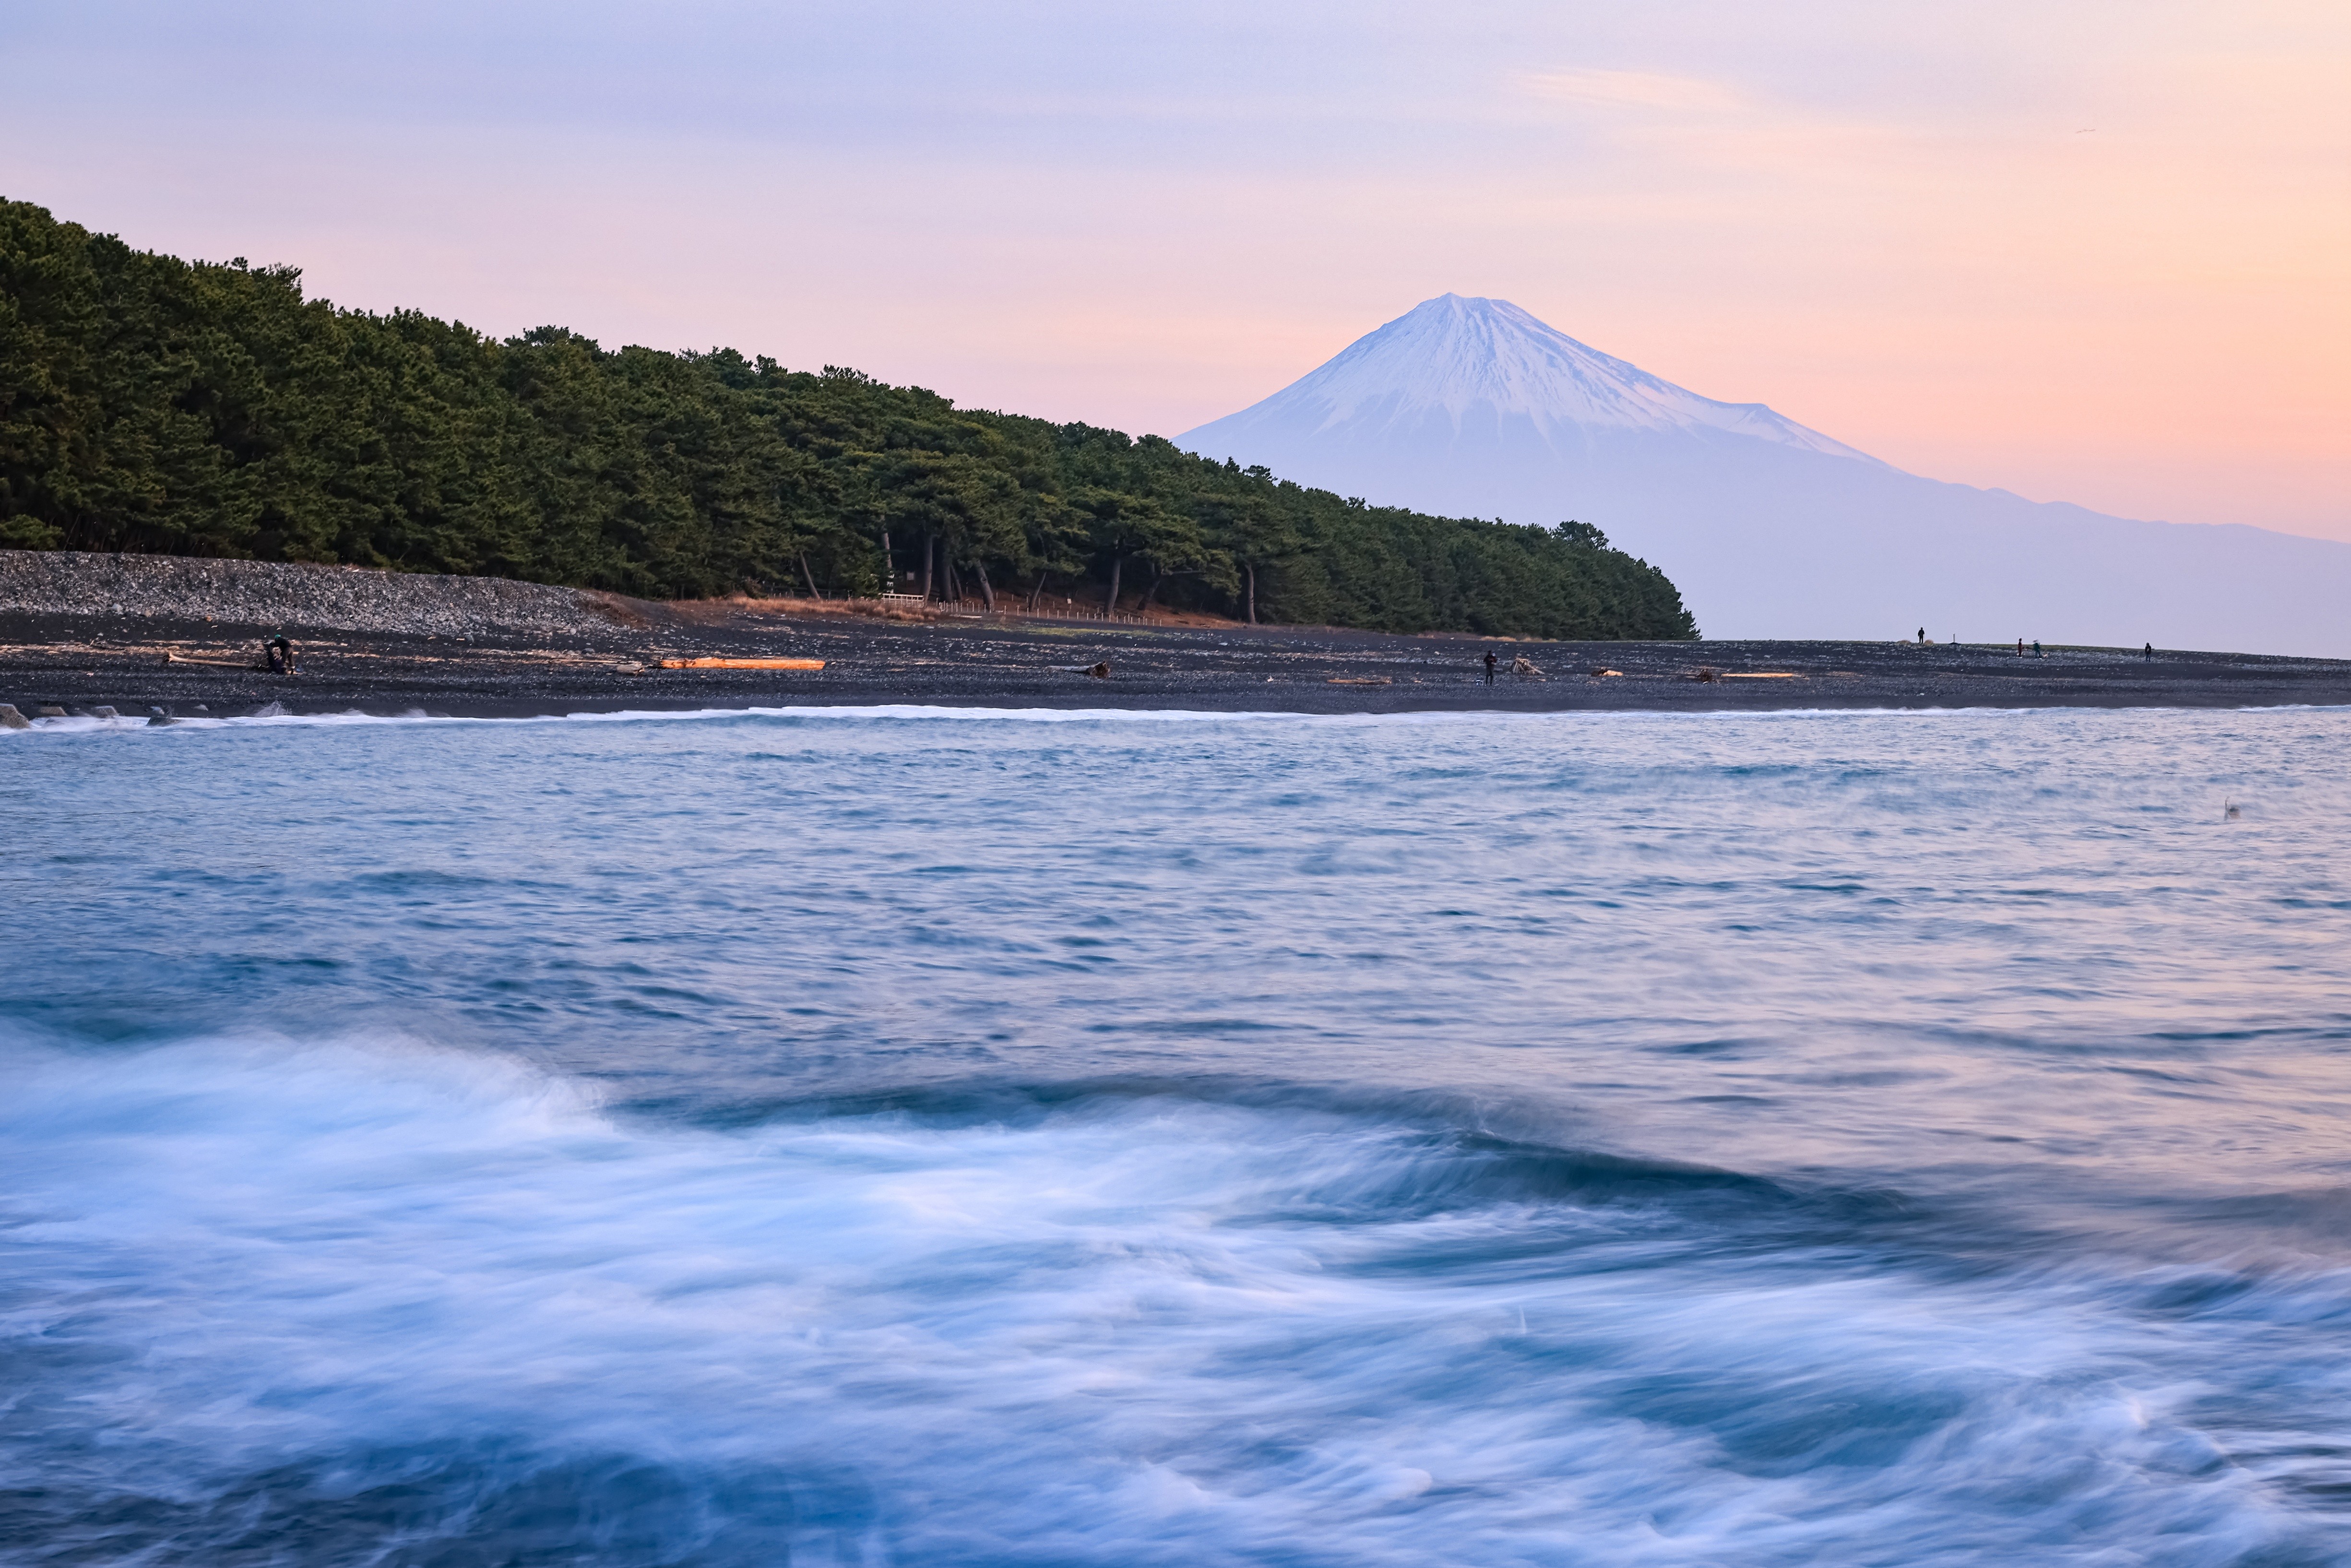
(1758, 675)
(742, 663)
(1526, 669)
(1100, 672)
(1362, 681)
(11, 719)
(50, 710)
(1597, 672)
(1705, 672)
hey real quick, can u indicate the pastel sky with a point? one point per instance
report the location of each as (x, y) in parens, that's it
(2083, 249)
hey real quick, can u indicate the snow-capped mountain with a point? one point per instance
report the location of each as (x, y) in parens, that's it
(1474, 408)
(1476, 368)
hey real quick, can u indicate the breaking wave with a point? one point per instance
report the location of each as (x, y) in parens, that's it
(369, 1302)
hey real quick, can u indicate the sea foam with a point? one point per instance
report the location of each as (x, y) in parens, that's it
(1125, 1328)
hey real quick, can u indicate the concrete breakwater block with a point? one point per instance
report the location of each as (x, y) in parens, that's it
(11, 719)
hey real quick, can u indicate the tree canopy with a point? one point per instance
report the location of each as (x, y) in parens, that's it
(153, 404)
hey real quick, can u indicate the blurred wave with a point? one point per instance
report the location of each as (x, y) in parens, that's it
(822, 1139)
(392, 1303)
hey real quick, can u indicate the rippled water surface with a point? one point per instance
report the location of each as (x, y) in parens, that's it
(889, 1137)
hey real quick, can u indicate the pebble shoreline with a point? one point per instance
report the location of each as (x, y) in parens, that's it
(158, 635)
(300, 597)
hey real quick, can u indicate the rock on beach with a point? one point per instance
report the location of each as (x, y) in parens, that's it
(298, 597)
(181, 635)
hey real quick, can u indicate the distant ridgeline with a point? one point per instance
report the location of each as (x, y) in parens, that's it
(149, 404)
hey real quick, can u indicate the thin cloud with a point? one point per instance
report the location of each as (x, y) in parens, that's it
(1634, 90)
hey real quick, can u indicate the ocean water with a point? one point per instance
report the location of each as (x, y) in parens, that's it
(959, 1138)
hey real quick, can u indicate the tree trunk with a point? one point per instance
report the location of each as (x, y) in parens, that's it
(813, 592)
(1252, 593)
(1110, 605)
(930, 551)
(1037, 594)
(986, 589)
(889, 566)
(950, 579)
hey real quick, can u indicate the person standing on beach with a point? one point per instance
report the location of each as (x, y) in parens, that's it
(1490, 662)
(2150, 652)
(2020, 647)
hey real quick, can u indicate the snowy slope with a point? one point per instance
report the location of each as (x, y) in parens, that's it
(1473, 407)
(1483, 365)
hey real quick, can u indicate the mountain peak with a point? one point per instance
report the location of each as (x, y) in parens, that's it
(1477, 364)
(1470, 407)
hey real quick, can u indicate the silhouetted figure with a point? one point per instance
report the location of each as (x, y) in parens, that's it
(1922, 636)
(2036, 648)
(2020, 647)
(1490, 662)
(2150, 652)
(281, 655)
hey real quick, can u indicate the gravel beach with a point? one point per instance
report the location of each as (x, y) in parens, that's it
(148, 634)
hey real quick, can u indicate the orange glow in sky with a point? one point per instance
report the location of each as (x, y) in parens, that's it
(2097, 252)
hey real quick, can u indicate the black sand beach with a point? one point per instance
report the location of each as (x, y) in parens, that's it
(143, 633)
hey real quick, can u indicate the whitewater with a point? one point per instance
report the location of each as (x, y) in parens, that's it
(919, 1136)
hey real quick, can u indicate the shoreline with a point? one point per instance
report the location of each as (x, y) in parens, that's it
(81, 722)
(139, 665)
(176, 636)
